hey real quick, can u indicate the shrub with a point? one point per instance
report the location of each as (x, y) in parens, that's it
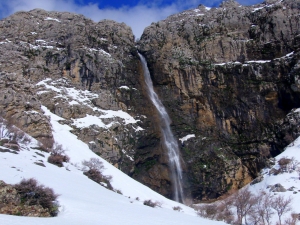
(58, 156)
(151, 203)
(177, 208)
(119, 192)
(207, 211)
(283, 163)
(58, 160)
(32, 193)
(93, 170)
(93, 164)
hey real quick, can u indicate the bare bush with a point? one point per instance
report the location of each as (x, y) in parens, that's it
(93, 170)
(93, 164)
(151, 203)
(283, 163)
(57, 156)
(33, 193)
(57, 149)
(118, 191)
(207, 211)
(224, 211)
(250, 209)
(281, 206)
(177, 208)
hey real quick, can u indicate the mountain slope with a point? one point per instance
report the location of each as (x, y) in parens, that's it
(82, 200)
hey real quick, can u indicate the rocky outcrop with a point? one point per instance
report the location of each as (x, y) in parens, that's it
(20, 105)
(228, 75)
(87, 73)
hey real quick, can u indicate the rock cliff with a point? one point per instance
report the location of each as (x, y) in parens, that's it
(85, 72)
(228, 76)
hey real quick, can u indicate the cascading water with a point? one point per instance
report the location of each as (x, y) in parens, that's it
(170, 142)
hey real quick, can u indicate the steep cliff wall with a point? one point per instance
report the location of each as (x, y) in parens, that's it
(228, 75)
(85, 72)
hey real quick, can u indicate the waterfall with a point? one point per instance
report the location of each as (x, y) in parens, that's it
(170, 142)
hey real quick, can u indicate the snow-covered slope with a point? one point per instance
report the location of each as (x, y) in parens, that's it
(82, 200)
(290, 180)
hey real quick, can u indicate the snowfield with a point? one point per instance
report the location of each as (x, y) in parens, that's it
(82, 200)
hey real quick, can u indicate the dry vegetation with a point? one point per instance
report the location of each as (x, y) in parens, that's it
(32, 193)
(244, 207)
(93, 169)
(250, 209)
(57, 156)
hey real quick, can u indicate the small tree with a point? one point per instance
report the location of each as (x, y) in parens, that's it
(281, 206)
(244, 201)
(263, 209)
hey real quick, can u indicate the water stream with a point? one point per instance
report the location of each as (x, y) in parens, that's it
(170, 142)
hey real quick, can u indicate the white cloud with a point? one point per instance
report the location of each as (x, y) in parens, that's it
(137, 17)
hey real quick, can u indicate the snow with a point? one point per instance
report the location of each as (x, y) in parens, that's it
(88, 121)
(100, 51)
(52, 19)
(124, 152)
(121, 114)
(84, 201)
(256, 9)
(75, 96)
(124, 87)
(245, 64)
(44, 82)
(40, 41)
(258, 61)
(286, 179)
(286, 56)
(185, 138)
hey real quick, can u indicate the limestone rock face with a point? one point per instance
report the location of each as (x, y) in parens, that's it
(87, 73)
(19, 103)
(228, 75)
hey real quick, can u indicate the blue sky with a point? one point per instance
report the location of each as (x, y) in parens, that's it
(138, 14)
